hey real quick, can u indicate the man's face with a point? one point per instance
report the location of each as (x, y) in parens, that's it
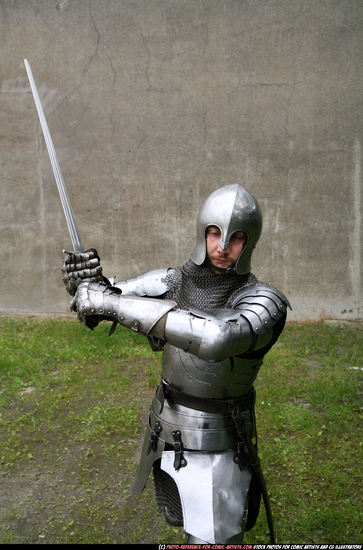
(224, 258)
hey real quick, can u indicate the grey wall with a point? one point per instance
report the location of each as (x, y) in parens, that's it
(152, 104)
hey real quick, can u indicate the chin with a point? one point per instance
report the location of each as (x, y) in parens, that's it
(223, 265)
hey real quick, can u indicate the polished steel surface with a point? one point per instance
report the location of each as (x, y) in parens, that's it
(138, 314)
(228, 332)
(216, 379)
(231, 208)
(214, 511)
(199, 430)
(270, 297)
(212, 338)
(151, 283)
(67, 208)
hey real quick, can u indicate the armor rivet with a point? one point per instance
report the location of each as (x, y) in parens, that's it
(114, 313)
(109, 312)
(93, 310)
(122, 317)
(101, 310)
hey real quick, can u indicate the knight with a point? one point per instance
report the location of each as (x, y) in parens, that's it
(213, 321)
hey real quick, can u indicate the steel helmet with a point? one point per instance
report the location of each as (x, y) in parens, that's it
(231, 208)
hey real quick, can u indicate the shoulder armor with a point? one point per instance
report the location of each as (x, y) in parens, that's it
(152, 283)
(264, 294)
(263, 306)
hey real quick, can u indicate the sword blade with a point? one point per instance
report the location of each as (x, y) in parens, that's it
(67, 208)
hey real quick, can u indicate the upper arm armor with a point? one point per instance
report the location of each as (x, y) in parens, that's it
(151, 284)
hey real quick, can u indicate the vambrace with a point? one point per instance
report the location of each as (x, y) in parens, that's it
(99, 300)
(210, 337)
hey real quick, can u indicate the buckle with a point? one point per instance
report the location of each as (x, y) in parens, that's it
(179, 460)
(154, 436)
(241, 457)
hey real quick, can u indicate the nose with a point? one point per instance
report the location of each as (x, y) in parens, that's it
(223, 247)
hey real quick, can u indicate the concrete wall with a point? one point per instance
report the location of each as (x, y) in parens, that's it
(152, 104)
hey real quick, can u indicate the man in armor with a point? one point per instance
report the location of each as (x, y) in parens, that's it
(214, 322)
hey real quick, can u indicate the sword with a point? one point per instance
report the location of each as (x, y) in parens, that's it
(67, 208)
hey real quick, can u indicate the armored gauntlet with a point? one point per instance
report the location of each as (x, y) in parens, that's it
(81, 266)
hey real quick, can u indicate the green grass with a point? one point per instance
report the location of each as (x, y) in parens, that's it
(73, 405)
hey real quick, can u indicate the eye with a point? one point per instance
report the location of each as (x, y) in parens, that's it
(213, 232)
(239, 237)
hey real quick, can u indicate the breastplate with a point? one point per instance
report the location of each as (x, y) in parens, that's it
(193, 376)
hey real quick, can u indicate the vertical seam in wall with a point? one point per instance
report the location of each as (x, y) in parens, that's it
(356, 238)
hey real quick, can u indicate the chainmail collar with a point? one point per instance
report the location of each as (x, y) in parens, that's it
(196, 286)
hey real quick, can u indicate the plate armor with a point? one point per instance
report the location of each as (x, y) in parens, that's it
(213, 330)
